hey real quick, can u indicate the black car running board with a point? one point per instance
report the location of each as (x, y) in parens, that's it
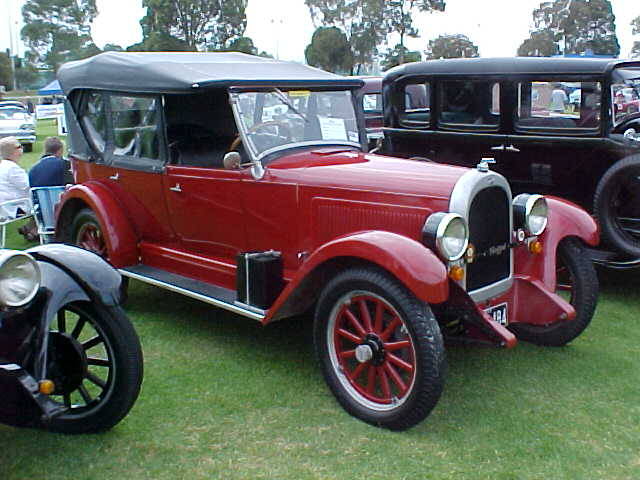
(205, 292)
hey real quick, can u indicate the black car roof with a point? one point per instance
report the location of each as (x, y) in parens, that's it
(147, 72)
(509, 66)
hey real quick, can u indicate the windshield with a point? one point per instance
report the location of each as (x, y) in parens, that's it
(275, 119)
(12, 113)
(625, 94)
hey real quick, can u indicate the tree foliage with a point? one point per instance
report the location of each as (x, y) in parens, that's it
(539, 44)
(451, 46)
(399, 55)
(5, 71)
(577, 26)
(57, 31)
(160, 42)
(329, 50)
(366, 23)
(635, 50)
(201, 24)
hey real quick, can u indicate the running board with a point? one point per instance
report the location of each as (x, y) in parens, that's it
(217, 296)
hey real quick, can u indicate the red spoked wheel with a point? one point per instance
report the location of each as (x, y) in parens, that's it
(380, 349)
(370, 344)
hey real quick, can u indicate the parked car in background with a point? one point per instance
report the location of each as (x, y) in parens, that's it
(504, 109)
(15, 120)
(189, 178)
(370, 98)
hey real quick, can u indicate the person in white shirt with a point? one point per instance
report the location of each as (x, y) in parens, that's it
(14, 181)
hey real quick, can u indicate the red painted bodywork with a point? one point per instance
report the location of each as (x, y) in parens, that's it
(314, 206)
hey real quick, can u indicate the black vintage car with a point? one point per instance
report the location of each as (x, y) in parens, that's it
(563, 126)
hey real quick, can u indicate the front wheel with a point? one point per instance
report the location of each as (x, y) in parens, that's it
(577, 283)
(380, 349)
(95, 361)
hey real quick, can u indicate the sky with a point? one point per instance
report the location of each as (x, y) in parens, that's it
(284, 27)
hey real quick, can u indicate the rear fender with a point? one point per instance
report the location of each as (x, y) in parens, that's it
(119, 234)
(565, 219)
(413, 264)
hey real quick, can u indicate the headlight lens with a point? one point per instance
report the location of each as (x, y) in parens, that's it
(448, 233)
(531, 213)
(19, 278)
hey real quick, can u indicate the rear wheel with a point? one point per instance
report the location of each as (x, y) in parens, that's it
(380, 349)
(95, 361)
(577, 283)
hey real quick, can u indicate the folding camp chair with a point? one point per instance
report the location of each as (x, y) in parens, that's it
(8, 216)
(44, 201)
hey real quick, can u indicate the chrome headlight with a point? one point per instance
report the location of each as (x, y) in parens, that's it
(447, 233)
(530, 212)
(19, 278)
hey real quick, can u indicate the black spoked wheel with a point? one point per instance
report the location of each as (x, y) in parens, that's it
(95, 362)
(617, 206)
(380, 349)
(577, 283)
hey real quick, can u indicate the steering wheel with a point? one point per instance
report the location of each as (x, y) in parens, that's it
(258, 126)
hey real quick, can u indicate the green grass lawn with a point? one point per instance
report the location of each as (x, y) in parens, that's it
(225, 398)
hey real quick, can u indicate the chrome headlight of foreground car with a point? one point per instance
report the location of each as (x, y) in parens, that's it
(530, 212)
(19, 278)
(447, 233)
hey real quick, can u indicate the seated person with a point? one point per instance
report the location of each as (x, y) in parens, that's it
(52, 169)
(14, 182)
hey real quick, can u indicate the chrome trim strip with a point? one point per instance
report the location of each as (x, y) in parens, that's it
(464, 191)
(203, 298)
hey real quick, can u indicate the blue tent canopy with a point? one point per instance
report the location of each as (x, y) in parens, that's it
(52, 88)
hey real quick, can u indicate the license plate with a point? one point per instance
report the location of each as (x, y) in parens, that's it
(498, 313)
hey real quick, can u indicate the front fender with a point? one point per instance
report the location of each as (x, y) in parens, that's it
(119, 234)
(565, 219)
(99, 280)
(413, 264)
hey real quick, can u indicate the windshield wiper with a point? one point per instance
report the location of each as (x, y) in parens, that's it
(283, 98)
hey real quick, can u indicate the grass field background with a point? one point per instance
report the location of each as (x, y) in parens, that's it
(226, 398)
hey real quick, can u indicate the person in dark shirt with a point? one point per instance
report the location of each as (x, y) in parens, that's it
(52, 169)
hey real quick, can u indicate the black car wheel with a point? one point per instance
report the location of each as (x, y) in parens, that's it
(577, 283)
(616, 205)
(380, 349)
(95, 362)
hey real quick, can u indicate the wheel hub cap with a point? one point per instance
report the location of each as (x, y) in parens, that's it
(364, 353)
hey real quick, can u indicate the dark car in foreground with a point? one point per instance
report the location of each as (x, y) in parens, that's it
(243, 182)
(561, 126)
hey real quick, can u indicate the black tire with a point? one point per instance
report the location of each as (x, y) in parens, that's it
(577, 282)
(27, 147)
(415, 338)
(97, 368)
(86, 233)
(616, 203)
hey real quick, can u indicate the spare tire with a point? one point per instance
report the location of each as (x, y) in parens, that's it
(616, 205)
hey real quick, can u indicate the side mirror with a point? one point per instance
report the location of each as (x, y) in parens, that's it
(231, 161)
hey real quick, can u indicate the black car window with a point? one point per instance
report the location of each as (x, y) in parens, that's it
(469, 103)
(94, 120)
(417, 105)
(558, 107)
(135, 126)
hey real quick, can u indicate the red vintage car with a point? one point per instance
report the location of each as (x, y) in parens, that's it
(243, 182)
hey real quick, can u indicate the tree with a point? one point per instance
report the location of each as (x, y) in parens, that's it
(635, 50)
(26, 76)
(399, 55)
(244, 45)
(5, 71)
(201, 24)
(398, 19)
(539, 44)
(579, 25)
(451, 46)
(112, 47)
(160, 42)
(329, 50)
(57, 31)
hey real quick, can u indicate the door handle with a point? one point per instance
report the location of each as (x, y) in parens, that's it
(498, 148)
(176, 188)
(115, 177)
(511, 148)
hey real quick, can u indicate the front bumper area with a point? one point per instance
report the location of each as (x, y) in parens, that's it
(25, 137)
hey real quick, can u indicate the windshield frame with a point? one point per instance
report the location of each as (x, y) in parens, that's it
(257, 156)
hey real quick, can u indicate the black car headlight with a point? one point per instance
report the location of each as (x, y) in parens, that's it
(19, 278)
(530, 212)
(447, 233)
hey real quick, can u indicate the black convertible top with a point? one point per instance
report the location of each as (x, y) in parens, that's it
(510, 66)
(175, 72)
